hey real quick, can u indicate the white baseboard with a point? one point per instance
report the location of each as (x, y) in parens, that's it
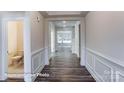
(38, 62)
(104, 68)
(40, 68)
(93, 74)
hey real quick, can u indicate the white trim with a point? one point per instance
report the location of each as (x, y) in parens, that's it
(93, 60)
(92, 69)
(41, 66)
(82, 31)
(117, 75)
(82, 42)
(27, 47)
(93, 74)
(111, 59)
(64, 18)
(107, 66)
(37, 51)
(39, 69)
(4, 44)
(46, 56)
(4, 54)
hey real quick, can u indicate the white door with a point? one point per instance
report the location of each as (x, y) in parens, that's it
(64, 41)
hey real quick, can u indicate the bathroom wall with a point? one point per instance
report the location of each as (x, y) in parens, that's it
(12, 37)
(20, 25)
(15, 38)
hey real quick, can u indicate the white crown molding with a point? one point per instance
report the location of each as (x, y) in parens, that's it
(49, 15)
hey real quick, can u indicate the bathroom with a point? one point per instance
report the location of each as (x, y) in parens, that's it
(15, 49)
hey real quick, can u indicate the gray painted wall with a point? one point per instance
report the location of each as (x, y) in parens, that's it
(105, 33)
(105, 47)
(0, 46)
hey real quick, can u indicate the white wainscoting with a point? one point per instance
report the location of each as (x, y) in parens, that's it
(38, 62)
(103, 68)
(119, 77)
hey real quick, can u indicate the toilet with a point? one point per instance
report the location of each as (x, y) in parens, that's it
(15, 59)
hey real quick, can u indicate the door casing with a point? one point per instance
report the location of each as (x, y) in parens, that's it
(26, 46)
(82, 39)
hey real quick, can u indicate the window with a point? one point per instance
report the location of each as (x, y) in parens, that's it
(64, 36)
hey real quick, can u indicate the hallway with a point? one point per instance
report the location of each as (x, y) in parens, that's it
(64, 68)
(68, 46)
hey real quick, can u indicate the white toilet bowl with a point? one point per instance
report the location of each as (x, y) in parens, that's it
(15, 59)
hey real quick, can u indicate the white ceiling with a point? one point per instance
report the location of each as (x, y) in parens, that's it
(65, 23)
(63, 12)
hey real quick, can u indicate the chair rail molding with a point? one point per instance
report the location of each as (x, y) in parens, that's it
(38, 62)
(104, 68)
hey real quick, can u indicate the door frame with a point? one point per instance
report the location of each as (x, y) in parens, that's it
(26, 46)
(82, 36)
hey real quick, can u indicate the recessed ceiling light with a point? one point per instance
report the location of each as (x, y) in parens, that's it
(64, 22)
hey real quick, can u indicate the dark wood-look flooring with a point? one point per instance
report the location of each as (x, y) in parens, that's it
(64, 69)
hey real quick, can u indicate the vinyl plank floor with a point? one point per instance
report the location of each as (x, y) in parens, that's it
(64, 69)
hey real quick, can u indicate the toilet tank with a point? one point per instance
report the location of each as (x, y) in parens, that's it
(20, 53)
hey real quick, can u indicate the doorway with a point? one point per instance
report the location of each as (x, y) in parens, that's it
(64, 42)
(64, 38)
(15, 68)
(13, 46)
